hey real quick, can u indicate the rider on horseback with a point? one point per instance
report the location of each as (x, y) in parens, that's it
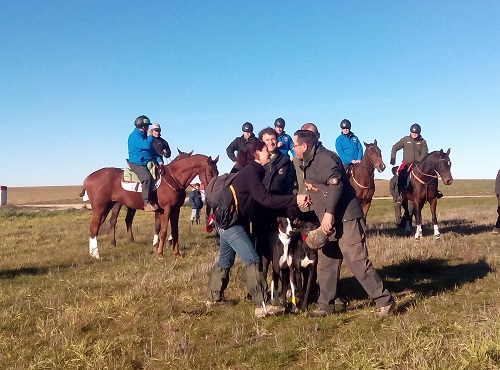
(348, 146)
(140, 153)
(414, 150)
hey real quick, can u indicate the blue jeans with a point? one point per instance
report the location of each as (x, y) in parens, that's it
(236, 240)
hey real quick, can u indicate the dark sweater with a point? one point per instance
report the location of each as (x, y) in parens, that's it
(251, 192)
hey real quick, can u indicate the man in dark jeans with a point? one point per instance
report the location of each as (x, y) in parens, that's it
(140, 153)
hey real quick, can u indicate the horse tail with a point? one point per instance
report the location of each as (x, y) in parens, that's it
(84, 188)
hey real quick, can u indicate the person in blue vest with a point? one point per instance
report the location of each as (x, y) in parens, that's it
(140, 153)
(285, 142)
(348, 146)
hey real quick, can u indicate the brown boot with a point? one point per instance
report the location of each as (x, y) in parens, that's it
(151, 207)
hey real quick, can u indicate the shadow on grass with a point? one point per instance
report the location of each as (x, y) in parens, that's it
(32, 271)
(458, 226)
(425, 278)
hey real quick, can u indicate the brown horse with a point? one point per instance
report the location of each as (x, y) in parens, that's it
(104, 190)
(423, 188)
(362, 175)
(129, 218)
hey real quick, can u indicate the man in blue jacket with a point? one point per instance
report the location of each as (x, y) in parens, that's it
(285, 142)
(140, 153)
(348, 146)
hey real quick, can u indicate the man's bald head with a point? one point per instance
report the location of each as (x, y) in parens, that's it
(311, 127)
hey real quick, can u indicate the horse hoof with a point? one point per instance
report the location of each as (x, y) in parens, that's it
(160, 256)
(438, 236)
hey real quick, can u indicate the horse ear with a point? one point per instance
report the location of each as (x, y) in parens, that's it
(375, 142)
(191, 152)
(216, 159)
(441, 151)
(448, 152)
(365, 144)
(178, 150)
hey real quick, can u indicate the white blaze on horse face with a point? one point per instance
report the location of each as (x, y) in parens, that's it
(93, 249)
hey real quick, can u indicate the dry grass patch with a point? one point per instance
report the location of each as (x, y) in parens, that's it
(59, 308)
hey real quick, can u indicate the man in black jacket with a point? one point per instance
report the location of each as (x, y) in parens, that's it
(342, 230)
(240, 143)
(161, 146)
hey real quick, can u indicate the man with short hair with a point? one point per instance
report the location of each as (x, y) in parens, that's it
(342, 231)
(140, 154)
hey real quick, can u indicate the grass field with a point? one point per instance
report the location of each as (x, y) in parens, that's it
(61, 309)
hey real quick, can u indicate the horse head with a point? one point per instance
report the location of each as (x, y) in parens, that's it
(210, 171)
(444, 167)
(374, 155)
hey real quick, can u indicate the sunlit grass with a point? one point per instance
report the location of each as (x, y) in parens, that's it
(61, 309)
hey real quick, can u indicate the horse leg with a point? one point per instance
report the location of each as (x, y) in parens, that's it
(98, 217)
(163, 231)
(174, 224)
(433, 204)
(128, 221)
(157, 228)
(112, 222)
(417, 210)
(407, 217)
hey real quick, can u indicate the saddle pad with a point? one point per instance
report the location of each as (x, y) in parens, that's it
(137, 186)
(129, 176)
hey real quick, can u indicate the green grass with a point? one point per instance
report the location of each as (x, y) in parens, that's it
(61, 309)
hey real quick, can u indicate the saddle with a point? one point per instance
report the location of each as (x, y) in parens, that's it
(404, 176)
(131, 176)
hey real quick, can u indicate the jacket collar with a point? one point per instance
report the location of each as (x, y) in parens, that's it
(310, 153)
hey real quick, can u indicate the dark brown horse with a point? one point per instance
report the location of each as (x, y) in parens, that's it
(423, 188)
(129, 218)
(103, 188)
(362, 175)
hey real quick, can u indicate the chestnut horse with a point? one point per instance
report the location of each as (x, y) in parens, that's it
(423, 188)
(362, 175)
(115, 211)
(104, 190)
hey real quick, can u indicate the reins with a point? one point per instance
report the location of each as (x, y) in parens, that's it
(172, 176)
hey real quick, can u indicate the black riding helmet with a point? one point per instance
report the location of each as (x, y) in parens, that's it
(345, 123)
(247, 127)
(280, 122)
(142, 121)
(415, 128)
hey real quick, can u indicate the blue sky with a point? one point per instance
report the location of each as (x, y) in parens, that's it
(75, 75)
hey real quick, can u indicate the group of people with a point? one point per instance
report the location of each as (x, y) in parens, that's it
(312, 186)
(296, 178)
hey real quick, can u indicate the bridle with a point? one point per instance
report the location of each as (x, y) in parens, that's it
(353, 177)
(436, 176)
